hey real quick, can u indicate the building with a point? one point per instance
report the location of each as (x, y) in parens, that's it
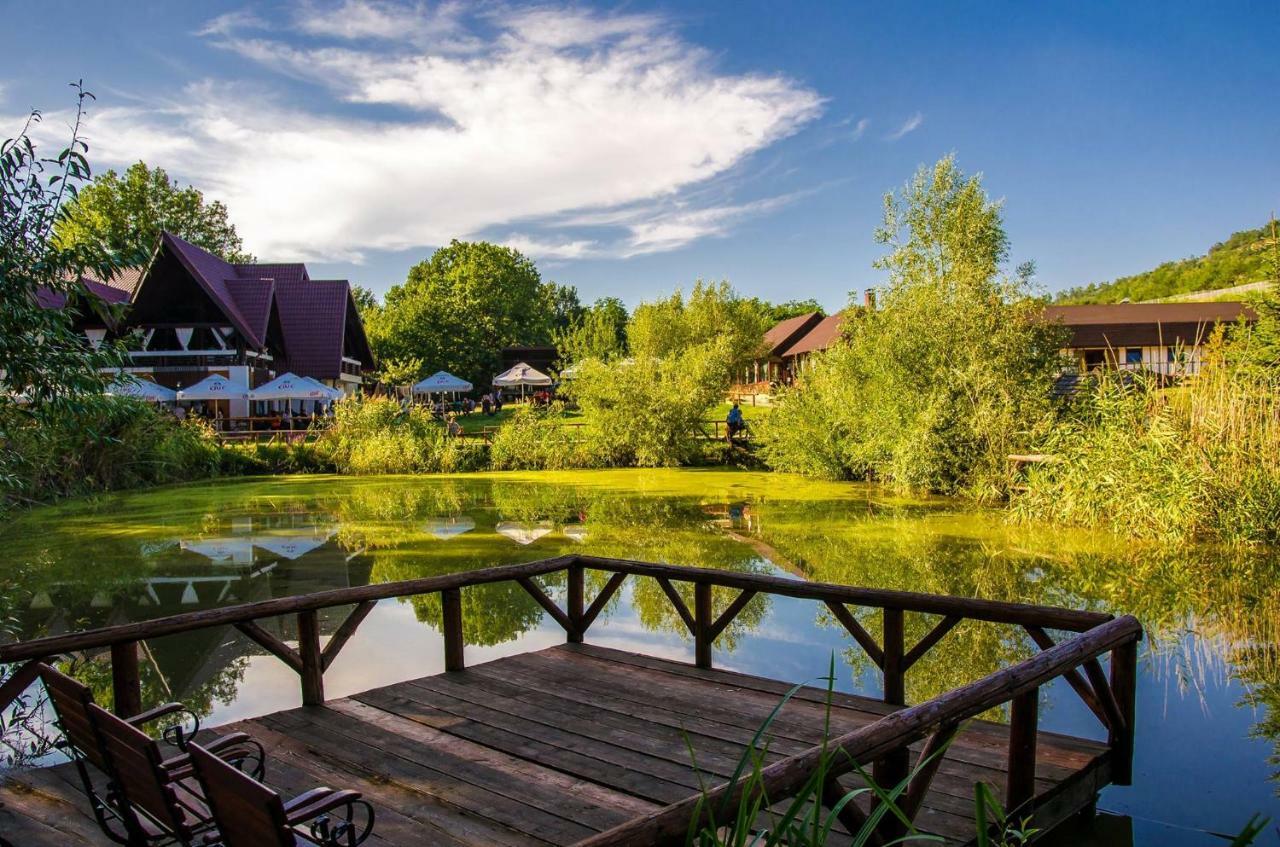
(189, 314)
(772, 367)
(1162, 338)
(823, 335)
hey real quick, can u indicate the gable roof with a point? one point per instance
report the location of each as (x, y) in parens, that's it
(824, 333)
(211, 273)
(313, 319)
(1135, 313)
(788, 332)
(253, 299)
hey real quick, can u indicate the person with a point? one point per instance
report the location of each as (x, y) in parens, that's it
(486, 405)
(454, 428)
(734, 422)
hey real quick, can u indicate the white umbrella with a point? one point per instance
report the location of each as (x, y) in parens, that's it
(290, 387)
(522, 374)
(142, 389)
(446, 528)
(214, 387)
(523, 533)
(329, 390)
(440, 382)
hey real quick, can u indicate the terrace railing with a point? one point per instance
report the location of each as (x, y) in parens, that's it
(883, 745)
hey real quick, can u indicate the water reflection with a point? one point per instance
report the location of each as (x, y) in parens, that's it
(1211, 613)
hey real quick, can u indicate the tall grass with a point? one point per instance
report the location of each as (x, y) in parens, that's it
(1199, 461)
(375, 435)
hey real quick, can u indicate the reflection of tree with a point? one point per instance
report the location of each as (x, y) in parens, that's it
(491, 614)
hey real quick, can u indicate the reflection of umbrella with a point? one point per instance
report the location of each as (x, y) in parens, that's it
(235, 550)
(576, 531)
(214, 387)
(446, 528)
(142, 389)
(291, 547)
(522, 533)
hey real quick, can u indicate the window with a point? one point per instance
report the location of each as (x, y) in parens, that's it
(1094, 359)
(1173, 354)
(1133, 355)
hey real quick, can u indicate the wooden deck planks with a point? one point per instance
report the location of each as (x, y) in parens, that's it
(554, 746)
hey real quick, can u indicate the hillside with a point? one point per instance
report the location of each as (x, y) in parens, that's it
(1245, 257)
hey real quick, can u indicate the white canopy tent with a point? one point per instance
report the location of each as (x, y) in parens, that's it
(142, 389)
(333, 393)
(442, 382)
(521, 375)
(214, 387)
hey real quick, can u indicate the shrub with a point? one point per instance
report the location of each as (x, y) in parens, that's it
(375, 435)
(533, 439)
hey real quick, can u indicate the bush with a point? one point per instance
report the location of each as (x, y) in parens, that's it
(534, 439)
(100, 443)
(374, 435)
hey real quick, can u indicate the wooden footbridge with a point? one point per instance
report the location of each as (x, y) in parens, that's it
(582, 745)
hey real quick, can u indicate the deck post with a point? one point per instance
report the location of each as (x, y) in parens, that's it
(1023, 720)
(702, 618)
(126, 684)
(1124, 685)
(451, 623)
(894, 767)
(577, 579)
(312, 658)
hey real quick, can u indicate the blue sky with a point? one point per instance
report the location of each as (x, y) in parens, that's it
(633, 148)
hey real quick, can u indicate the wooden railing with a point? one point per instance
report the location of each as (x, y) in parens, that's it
(882, 745)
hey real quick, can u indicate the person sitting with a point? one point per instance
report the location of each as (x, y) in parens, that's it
(734, 422)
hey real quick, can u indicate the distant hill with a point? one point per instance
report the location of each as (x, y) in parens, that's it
(1242, 259)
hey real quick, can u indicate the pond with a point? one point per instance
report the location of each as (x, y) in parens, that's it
(1208, 728)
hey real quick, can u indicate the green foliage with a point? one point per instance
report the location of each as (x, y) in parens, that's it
(933, 390)
(713, 314)
(534, 439)
(1198, 461)
(127, 213)
(457, 310)
(374, 435)
(600, 332)
(778, 312)
(1247, 256)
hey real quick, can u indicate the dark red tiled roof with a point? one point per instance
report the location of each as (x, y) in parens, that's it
(253, 299)
(787, 332)
(282, 272)
(1135, 313)
(211, 273)
(50, 299)
(822, 336)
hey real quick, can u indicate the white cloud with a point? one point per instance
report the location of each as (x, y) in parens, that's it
(910, 125)
(860, 129)
(543, 249)
(549, 112)
(229, 22)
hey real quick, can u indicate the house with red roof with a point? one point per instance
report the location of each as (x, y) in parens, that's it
(189, 314)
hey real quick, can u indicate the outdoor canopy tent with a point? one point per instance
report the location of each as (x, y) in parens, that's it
(142, 389)
(214, 387)
(521, 375)
(442, 382)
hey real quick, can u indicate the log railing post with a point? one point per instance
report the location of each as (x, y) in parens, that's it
(312, 658)
(893, 768)
(126, 684)
(1124, 685)
(576, 602)
(703, 620)
(451, 623)
(1023, 719)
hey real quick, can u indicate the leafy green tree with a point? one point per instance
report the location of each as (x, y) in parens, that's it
(599, 333)
(458, 309)
(365, 300)
(713, 313)
(935, 389)
(561, 306)
(779, 312)
(127, 213)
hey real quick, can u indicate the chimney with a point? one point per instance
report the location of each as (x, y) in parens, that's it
(869, 299)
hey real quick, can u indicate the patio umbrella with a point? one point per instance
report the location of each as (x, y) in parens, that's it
(523, 533)
(214, 387)
(142, 389)
(521, 375)
(290, 387)
(441, 382)
(333, 393)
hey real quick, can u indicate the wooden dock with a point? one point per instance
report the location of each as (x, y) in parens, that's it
(580, 744)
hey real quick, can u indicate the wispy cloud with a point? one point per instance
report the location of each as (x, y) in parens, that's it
(910, 125)
(860, 129)
(501, 118)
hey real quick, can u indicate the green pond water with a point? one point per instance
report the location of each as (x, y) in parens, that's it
(1210, 671)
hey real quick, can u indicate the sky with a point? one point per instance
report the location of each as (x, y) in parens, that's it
(633, 148)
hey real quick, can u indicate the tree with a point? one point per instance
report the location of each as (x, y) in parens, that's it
(458, 309)
(365, 300)
(937, 387)
(713, 312)
(779, 312)
(126, 213)
(600, 332)
(561, 307)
